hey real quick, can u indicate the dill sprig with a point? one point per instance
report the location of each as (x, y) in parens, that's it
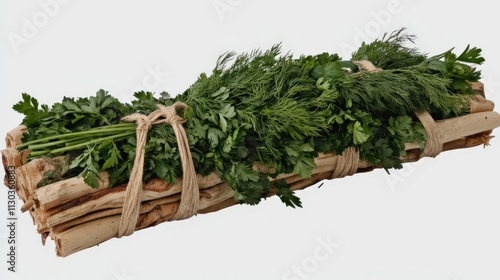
(391, 51)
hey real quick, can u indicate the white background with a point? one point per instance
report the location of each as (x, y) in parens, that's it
(435, 220)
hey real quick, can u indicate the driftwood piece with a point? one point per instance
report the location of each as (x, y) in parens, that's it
(14, 136)
(460, 127)
(64, 191)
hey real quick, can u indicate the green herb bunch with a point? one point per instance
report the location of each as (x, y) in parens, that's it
(264, 107)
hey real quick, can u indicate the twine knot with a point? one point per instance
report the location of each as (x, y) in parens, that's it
(190, 197)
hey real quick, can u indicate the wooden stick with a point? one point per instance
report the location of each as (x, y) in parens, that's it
(31, 173)
(478, 88)
(460, 127)
(64, 191)
(456, 128)
(14, 136)
(97, 231)
(145, 207)
(480, 104)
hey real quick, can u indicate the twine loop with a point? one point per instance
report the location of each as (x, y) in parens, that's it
(367, 66)
(433, 145)
(347, 163)
(190, 196)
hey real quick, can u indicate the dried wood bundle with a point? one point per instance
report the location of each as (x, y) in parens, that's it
(92, 169)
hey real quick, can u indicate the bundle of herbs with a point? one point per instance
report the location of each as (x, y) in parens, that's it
(264, 107)
(262, 123)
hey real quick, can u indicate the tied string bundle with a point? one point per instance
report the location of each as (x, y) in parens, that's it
(190, 196)
(346, 165)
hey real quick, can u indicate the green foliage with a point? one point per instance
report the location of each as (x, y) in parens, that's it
(264, 107)
(453, 67)
(88, 160)
(390, 52)
(286, 195)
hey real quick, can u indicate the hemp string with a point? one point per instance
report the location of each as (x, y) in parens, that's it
(190, 193)
(347, 163)
(433, 145)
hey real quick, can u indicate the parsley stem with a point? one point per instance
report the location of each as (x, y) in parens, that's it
(95, 141)
(79, 141)
(39, 153)
(45, 145)
(81, 145)
(100, 130)
(118, 125)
